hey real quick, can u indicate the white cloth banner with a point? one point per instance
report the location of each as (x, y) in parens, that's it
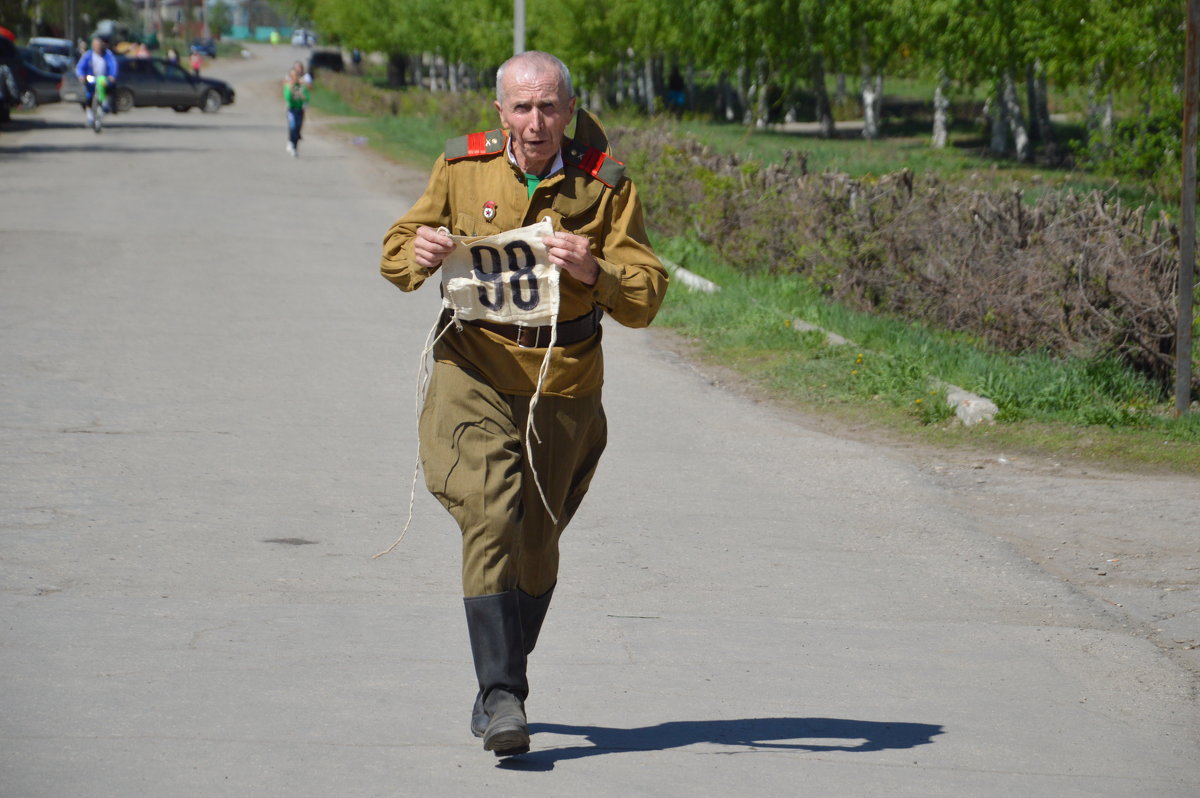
(505, 278)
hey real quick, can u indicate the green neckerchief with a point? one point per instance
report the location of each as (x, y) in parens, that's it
(531, 182)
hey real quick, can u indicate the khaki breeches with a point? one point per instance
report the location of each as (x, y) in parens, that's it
(474, 459)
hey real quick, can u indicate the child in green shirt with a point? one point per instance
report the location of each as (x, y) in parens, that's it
(295, 96)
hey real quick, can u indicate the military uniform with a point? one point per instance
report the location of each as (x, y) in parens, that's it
(472, 427)
(591, 197)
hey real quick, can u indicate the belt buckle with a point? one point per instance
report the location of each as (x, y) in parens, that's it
(528, 337)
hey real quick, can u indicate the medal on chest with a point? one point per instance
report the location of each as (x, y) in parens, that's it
(489, 211)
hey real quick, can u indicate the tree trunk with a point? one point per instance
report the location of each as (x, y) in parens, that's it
(816, 74)
(1042, 112)
(743, 93)
(1016, 119)
(418, 71)
(397, 70)
(1035, 132)
(619, 96)
(763, 114)
(1100, 115)
(872, 102)
(941, 112)
(1106, 120)
(597, 96)
(434, 77)
(839, 89)
(725, 98)
(999, 145)
(649, 90)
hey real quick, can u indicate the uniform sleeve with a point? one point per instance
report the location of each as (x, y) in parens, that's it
(431, 210)
(632, 281)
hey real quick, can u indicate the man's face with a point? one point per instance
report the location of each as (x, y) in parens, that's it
(97, 45)
(536, 114)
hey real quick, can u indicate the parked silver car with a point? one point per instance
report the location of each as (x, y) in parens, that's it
(60, 54)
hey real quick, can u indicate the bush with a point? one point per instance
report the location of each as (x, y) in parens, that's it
(1145, 147)
(1069, 275)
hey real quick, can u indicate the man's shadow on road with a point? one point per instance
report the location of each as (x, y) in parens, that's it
(776, 734)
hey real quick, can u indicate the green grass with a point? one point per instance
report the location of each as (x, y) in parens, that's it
(409, 139)
(894, 373)
(330, 102)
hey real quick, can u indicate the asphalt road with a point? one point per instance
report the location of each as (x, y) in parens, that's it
(207, 429)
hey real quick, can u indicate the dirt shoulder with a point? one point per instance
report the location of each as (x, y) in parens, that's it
(1127, 540)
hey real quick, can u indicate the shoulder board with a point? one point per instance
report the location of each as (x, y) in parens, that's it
(602, 166)
(474, 145)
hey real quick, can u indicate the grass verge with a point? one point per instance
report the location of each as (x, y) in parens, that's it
(892, 374)
(407, 138)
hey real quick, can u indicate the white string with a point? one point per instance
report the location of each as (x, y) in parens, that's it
(530, 429)
(422, 389)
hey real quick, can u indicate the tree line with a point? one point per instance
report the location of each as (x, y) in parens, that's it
(758, 60)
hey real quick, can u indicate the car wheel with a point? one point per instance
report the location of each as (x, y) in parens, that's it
(182, 109)
(124, 101)
(28, 100)
(211, 102)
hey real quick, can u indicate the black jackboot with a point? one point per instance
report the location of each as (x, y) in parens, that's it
(497, 645)
(533, 612)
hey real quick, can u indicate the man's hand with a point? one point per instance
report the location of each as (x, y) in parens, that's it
(431, 247)
(574, 254)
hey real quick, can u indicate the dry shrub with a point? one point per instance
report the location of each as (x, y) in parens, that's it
(1069, 274)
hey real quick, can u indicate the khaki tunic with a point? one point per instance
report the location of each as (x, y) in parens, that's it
(629, 288)
(472, 427)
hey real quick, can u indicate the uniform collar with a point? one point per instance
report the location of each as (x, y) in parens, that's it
(555, 168)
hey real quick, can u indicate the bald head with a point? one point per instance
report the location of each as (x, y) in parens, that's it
(536, 103)
(530, 65)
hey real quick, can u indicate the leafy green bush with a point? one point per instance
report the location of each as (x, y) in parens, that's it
(1145, 147)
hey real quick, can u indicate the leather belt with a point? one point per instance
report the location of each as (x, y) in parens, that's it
(569, 332)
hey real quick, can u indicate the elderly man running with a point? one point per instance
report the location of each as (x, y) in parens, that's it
(512, 495)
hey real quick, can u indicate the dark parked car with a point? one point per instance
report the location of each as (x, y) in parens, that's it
(14, 76)
(155, 82)
(41, 81)
(206, 47)
(326, 59)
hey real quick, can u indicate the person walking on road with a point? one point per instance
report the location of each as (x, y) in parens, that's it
(295, 96)
(305, 76)
(513, 493)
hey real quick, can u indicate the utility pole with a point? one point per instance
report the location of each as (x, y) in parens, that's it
(69, 21)
(1187, 235)
(518, 27)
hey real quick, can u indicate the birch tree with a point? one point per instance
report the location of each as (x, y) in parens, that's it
(869, 33)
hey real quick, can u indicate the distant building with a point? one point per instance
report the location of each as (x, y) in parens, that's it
(252, 19)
